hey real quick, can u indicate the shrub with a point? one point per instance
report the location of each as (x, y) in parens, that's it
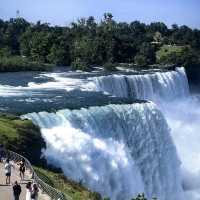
(140, 60)
(181, 55)
(110, 66)
(78, 64)
(18, 63)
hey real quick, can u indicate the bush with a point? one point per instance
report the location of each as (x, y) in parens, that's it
(78, 64)
(140, 60)
(4, 52)
(18, 63)
(181, 55)
(110, 66)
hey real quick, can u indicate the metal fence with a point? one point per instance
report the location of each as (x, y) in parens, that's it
(50, 191)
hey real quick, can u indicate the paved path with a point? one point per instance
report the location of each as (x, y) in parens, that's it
(6, 190)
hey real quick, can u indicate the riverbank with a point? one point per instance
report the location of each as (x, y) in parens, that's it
(23, 64)
(18, 63)
(21, 136)
(73, 189)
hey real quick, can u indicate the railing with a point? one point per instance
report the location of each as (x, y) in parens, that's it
(50, 191)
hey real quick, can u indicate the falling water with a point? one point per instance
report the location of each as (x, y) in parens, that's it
(117, 150)
(121, 150)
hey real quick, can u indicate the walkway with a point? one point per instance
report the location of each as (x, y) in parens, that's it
(6, 190)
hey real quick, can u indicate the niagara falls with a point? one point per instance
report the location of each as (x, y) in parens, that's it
(99, 100)
(127, 147)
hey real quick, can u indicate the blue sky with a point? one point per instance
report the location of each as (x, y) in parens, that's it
(62, 12)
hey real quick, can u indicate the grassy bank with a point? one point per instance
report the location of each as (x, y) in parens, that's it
(21, 136)
(67, 186)
(18, 63)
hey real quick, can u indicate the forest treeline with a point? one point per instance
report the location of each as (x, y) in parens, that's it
(87, 43)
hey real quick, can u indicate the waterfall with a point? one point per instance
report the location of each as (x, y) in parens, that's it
(117, 150)
(170, 91)
(160, 85)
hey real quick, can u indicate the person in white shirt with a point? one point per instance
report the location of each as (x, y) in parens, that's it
(28, 190)
(8, 167)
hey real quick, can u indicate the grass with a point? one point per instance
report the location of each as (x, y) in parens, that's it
(21, 136)
(8, 127)
(11, 127)
(169, 54)
(67, 186)
(75, 190)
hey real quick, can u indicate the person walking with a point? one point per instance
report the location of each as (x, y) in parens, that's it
(22, 168)
(8, 167)
(28, 190)
(35, 191)
(16, 190)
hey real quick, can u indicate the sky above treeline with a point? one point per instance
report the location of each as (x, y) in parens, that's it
(63, 12)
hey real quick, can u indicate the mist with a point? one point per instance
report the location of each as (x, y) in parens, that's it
(183, 117)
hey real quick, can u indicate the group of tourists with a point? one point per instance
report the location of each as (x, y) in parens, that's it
(31, 189)
(8, 166)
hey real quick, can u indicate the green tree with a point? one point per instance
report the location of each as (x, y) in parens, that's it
(40, 46)
(181, 55)
(140, 60)
(158, 27)
(86, 42)
(146, 55)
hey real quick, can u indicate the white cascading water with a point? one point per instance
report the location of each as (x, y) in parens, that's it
(167, 85)
(117, 150)
(170, 91)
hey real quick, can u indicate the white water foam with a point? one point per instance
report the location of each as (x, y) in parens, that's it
(117, 150)
(156, 86)
(183, 117)
(149, 86)
(63, 82)
(59, 81)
